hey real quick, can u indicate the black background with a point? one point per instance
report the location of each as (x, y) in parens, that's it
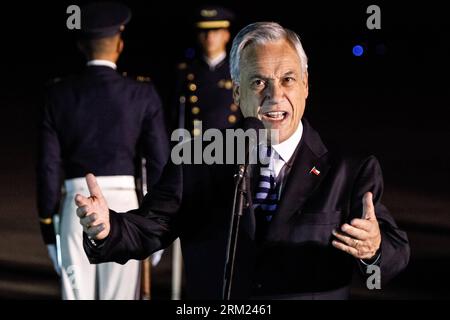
(392, 103)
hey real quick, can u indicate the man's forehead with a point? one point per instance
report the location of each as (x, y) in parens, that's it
(272, 57)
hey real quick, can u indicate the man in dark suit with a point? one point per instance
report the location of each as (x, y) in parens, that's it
(203, 84)
(97, 121)
(314, 215)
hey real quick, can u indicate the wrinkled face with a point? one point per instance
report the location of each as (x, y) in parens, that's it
(214, 41)
(271, 86)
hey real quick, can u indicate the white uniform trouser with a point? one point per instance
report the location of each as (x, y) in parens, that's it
(80, 279)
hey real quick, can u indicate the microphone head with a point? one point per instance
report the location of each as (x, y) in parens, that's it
(256, 134)
(252, 123)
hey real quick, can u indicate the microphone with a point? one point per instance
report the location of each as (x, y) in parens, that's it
(252, 144)
(252, 123)
(239, 203)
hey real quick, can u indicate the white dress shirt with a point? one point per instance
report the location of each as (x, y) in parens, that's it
(212, 63)
(104, 63)
(286, 149)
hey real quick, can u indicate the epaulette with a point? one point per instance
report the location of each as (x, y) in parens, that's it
(182, 66)
(143, 79)
(137, 78)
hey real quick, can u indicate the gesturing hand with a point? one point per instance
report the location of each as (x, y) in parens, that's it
(361, 238)
(93, 211)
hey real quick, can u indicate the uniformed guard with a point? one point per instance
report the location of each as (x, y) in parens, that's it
(96, 122)
(204, 87)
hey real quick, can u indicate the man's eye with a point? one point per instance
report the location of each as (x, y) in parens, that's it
(289, 80)
(258, 83)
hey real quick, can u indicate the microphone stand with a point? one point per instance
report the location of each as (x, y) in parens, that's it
(239, 203)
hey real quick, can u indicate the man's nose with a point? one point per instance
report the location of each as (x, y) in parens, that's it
(208, 34)
(274, 93)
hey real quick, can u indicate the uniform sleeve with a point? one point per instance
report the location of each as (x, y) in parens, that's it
(48, 174)
(395, 251)
(154, 138)
(138, 233)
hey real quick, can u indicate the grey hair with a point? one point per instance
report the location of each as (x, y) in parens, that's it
(263, 33)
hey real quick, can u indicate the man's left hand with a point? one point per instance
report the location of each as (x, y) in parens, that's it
(361, 238)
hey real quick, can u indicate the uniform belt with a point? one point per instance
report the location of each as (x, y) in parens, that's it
(105, 183)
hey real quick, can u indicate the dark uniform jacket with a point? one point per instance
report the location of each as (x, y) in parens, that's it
(295, 256)
(97, 122)
(207, 96)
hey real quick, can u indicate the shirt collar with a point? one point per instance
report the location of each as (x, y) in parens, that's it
(99, 62)
(212, 63)
(287, 148)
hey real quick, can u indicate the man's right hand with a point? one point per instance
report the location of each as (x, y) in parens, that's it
(93, 211)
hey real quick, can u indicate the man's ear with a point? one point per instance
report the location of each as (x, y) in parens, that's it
(82, 47)
(120, 46)
(227, 36)
(305, 84)
(236, 94)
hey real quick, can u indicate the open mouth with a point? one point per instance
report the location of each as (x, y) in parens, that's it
(275, 115)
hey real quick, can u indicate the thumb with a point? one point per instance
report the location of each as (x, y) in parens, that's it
(81, 201)
(93, 186)
(368, 208)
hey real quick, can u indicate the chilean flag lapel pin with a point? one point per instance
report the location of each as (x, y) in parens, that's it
(315, 171)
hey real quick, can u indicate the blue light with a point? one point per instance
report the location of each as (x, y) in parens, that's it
(358, 51)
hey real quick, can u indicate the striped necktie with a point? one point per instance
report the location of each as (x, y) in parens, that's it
(265, 202)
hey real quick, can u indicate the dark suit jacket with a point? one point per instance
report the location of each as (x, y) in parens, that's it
(294, 258)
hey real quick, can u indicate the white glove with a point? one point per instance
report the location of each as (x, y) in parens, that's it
(156, 257)
(51, 248)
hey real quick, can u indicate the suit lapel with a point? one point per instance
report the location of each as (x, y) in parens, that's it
(301, 181)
